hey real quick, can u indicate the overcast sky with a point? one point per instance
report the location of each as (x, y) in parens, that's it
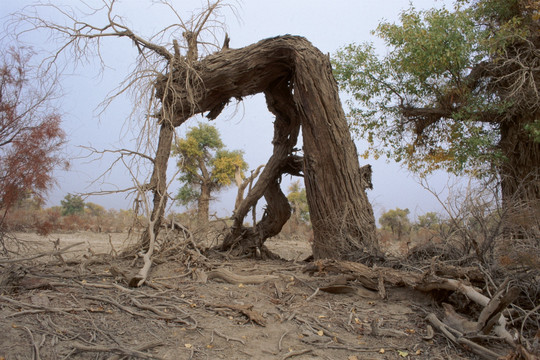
(248, 126)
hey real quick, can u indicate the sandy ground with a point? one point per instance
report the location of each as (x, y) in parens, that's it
(77, 309)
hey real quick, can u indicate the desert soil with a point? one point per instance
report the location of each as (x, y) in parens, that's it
(75, 308)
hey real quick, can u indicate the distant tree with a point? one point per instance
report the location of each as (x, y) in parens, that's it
(397, 221)
(30, 133)
(206, 167)
(96, 215)
(29, 201)
(298, 199)
(94, 209)
(72, 205)
(430, 220)
(457, 90)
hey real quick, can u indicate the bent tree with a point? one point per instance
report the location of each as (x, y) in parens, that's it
(300, 90)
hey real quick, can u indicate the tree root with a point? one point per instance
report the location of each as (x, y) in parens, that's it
(247, 310)
(456, 327)
(233, 278)
(123, 350)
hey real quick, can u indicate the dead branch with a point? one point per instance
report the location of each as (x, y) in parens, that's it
(233, 278)
(246, 310)
(35, 347)
(228, 338)
(139, 348)
(296, 353)
(242, 184)
(115, 303)
(457, 338)
(122, 350)
(426, 282)
(497, 304)
(377, 331)
(40, 307)
(51, 253)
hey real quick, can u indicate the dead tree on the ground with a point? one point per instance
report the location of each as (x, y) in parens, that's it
(300, 91)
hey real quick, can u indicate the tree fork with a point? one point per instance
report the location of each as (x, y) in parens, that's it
(300, 88)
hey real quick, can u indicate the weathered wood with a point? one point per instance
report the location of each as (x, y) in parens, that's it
(426, 282)
(301, 91)
(497, 304)
(158, 183)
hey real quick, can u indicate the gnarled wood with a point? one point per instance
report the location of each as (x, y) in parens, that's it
(301, 92)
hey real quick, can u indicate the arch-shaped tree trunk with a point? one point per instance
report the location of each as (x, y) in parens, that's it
(301, 92)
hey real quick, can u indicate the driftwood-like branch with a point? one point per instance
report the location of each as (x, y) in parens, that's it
(492, 311)
(233, 278)
(370, 278)
(458, 338)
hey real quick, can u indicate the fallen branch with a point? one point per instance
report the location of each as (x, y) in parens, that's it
(247, 310)
(38, 307)
(123, 350)
(448, 332)
(296, 353)
(376, 331)
(118, 305)
(35, 346)
(233, 278)
(370, 278)
(491, 313)
(51, 253)
(228, 338)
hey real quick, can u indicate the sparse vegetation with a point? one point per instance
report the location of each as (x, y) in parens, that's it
(450, 93)
(206, 167)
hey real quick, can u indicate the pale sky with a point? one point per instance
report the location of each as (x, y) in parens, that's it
(248, 126)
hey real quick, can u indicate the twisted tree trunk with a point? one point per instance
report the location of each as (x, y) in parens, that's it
(301, 92)
(520, 178)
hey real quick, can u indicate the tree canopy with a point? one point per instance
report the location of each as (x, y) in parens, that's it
(72, 204)
(457, 89)
(206, 166)
(30, 134)
(298, 198)
(397, 221)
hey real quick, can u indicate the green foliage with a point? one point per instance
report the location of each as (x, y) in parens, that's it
(72, 205)
(397, 221)
(298, 199)
(429, 220)
(224, 165)
(421, 104)
(534, 130)
(187, 194)
(94, 209)
(205, 163)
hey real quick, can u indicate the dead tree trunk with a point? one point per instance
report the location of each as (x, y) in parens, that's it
(301, 92)
(158, 181)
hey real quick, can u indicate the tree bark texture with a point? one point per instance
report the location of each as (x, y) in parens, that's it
(520, 179)
(301, 92)
(158, 181)
(204, 203)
